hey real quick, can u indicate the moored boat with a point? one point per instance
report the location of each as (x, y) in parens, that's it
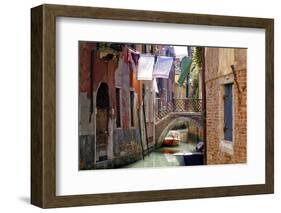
(172, 138)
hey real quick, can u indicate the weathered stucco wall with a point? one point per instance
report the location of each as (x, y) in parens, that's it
(218, 63)
(123, 143)
(86, 125)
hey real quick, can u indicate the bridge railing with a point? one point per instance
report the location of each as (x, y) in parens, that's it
(164, 107)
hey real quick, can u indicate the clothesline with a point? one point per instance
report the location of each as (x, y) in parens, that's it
(151, 66)
(148, 68)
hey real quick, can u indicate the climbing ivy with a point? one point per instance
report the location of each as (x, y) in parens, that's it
(197, 57)
(195, 71)
(109, 51)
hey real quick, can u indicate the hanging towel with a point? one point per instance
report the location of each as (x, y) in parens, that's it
(162, 67)
(145, 67)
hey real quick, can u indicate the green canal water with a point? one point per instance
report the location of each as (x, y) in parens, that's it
(165, 156)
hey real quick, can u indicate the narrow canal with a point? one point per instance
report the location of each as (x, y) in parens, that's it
(167, 156)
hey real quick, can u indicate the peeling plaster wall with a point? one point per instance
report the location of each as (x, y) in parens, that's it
(123, 144)
(86, 128)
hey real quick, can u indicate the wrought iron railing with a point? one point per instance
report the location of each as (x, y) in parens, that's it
(177, 105)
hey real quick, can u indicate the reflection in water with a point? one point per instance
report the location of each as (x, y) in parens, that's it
(165, 156)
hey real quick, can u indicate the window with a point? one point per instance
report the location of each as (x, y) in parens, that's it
(132, 100)
(228, 112)
(118, 107)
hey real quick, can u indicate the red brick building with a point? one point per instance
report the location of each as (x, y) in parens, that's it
(226, 105)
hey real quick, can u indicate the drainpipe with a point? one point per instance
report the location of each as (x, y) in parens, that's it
(144, 115)
(204, 105)
(142, 149)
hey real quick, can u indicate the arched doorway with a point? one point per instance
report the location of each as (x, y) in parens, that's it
(102, 116)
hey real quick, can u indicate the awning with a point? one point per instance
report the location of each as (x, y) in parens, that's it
(163, 67)
(185, 67)
(145, 67)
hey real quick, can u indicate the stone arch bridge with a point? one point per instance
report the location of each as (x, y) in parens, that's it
(177, 111)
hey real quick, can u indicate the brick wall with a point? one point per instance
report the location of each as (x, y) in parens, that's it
(218, 63)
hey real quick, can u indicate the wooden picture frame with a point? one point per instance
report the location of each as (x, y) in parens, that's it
(43, 105)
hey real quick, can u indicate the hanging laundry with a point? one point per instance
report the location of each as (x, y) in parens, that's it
(145, 67)
(163, 67)
(133, 58)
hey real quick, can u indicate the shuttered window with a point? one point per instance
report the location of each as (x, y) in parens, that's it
(228, 112)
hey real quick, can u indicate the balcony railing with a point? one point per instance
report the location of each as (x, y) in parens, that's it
(164, 107)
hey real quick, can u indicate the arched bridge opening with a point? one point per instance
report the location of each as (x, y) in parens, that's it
(173, 121)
